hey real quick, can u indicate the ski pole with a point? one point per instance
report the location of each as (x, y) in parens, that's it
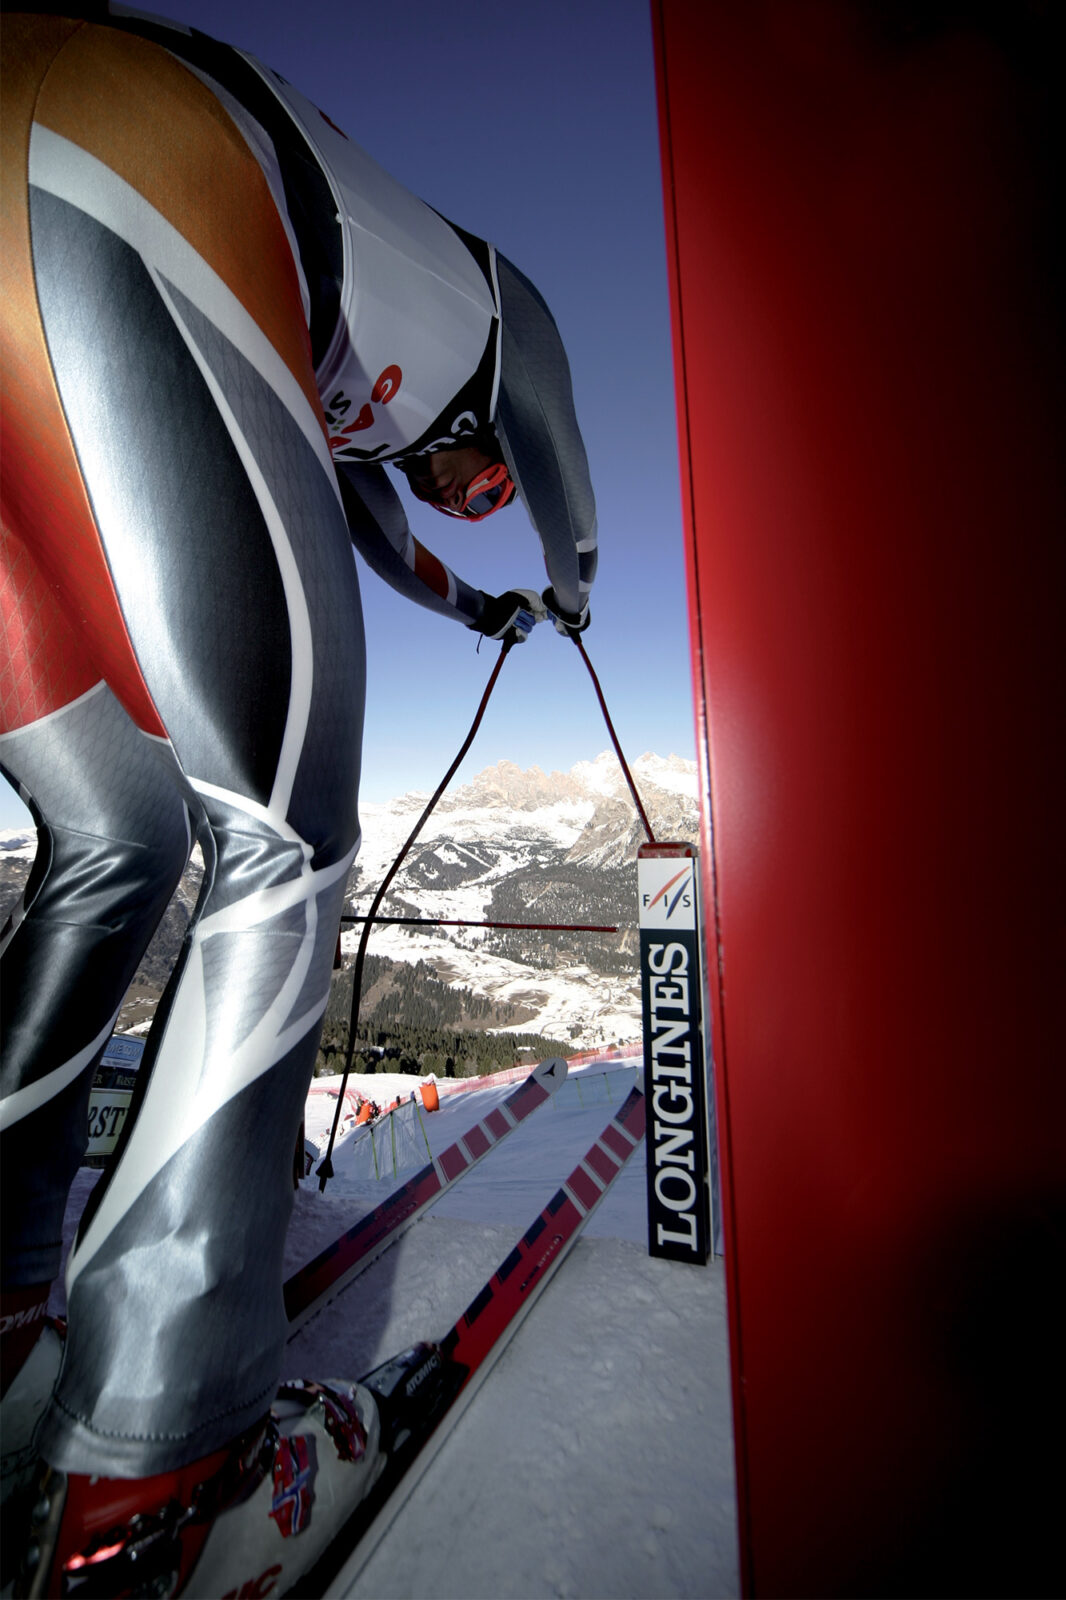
(325, 1171)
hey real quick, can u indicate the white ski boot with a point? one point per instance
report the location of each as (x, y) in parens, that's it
(251, 1519)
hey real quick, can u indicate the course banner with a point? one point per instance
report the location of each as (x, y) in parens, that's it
(109, 1099)
(675, 1072)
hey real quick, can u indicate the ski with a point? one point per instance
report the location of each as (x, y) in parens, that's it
(315, 1284)
(423, 1392)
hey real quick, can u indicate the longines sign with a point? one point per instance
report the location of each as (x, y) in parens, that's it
(675, 1073)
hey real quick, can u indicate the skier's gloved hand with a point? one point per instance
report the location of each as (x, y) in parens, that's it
(511, 616)
(569, 622)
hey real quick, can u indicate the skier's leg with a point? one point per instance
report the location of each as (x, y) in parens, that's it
(193, 420)
(112, 842)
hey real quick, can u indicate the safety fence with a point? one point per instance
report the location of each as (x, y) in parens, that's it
(395, 1142)
(586, 1088)
(614, 1052)
(620, 1053)
(384, 1144)
(592, 1088)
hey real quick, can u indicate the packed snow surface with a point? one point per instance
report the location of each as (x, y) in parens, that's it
(597, 1460)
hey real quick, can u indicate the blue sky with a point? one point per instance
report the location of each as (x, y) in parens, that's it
(533, 125)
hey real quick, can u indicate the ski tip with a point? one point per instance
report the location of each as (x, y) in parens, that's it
(551, 1073)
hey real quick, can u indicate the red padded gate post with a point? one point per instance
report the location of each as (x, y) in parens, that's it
(860, 208)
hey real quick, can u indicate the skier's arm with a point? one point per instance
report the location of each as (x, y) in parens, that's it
(380, 532)
(542, 445)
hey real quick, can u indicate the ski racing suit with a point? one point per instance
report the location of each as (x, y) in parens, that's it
(221, 319)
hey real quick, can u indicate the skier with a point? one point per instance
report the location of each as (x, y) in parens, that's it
(222, 320)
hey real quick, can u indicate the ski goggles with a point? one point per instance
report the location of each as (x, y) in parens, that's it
(486, 492)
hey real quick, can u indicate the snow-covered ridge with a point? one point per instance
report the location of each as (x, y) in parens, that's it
(529, 847)
(18, 844)
(509, 799)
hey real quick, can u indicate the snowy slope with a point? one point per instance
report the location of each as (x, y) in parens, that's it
(597, 1461)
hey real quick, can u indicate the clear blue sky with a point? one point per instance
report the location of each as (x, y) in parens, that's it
(533, 125)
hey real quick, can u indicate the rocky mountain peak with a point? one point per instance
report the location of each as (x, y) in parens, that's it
(515, 788)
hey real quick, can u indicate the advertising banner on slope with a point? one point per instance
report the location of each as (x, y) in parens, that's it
(110, 1096)
(675, 1067)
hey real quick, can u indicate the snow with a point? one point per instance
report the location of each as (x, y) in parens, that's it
(597, 1460)
(604, 775)
(483, 811)
(510, 820)
(567, 1003)
(18, 844)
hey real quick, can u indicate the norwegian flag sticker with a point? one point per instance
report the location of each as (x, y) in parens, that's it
(295, 1469)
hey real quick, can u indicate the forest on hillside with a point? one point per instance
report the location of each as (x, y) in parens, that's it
(568, 894)
(410, 1021)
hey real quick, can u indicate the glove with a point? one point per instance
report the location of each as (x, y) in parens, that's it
(570, 623)
(511, 616)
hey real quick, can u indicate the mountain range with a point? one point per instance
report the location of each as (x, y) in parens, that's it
(511, 845)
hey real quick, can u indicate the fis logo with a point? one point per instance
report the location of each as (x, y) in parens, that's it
(667, 894)
(676, 891)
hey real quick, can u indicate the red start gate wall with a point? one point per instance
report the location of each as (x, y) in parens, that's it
(861, 209)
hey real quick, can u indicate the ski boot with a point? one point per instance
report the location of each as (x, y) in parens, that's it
(250, 1519)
